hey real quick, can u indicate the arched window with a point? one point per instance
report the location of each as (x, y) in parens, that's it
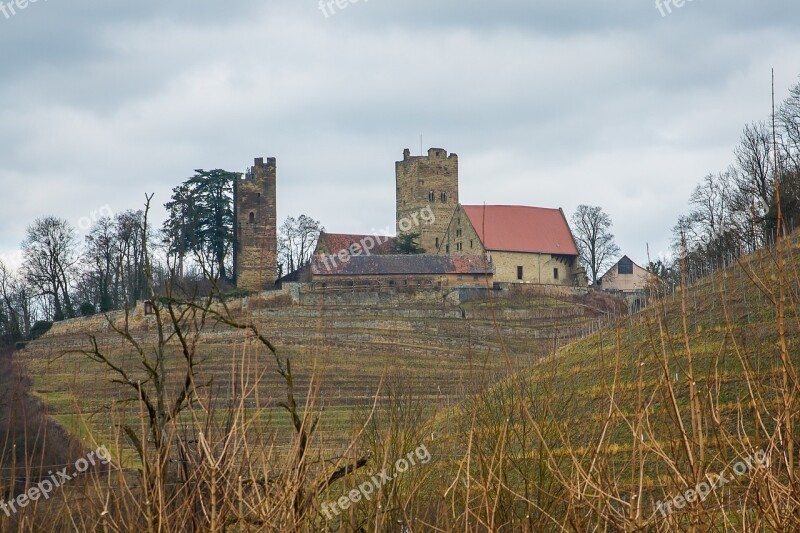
(443, 196)
(431, 196)
(252, 217)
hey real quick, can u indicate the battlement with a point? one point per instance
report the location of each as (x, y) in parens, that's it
(433, 153)
(269, 167)
(255, 248)
(427, 182)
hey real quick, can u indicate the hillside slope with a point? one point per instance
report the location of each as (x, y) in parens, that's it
(438, 353)
(635, 415)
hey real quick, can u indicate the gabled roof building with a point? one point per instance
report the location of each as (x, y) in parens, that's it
(526, 244)
(625, 276)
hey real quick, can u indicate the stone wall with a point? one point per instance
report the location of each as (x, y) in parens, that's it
(255, 251)
(427, 182)
(536, 268)
(366, 297)
(399, 282)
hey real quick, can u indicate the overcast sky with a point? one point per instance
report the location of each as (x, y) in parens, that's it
(548, 103)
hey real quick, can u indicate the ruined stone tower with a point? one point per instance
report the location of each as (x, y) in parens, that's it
(427, 181)
(255, 254)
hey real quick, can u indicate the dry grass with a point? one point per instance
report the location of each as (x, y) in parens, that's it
(529, 427)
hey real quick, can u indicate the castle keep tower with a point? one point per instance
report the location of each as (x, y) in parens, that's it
(255, 253)
(422, 182)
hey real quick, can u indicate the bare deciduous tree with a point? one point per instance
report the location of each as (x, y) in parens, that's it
(49, 252)
(591, 227)
(11, 323)
(789, 118)
(754, 162)
(297, 239)
(130, 225)
(101, 260)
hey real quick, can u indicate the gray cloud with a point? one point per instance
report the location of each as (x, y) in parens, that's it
(547, 103)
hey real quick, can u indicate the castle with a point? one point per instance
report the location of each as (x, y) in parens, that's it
(255, 250)
(427, 182)
(464, 244)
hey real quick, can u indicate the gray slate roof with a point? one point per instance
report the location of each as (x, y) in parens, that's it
(377, 265)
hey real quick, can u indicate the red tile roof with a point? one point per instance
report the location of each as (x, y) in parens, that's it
(333, 243)
(514, 228)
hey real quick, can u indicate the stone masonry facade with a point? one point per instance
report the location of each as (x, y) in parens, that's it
(461, 238)
(255, 254)
(427, 182)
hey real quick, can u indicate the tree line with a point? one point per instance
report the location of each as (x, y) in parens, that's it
(62, 276)
(59, 278)
(735, 211)
(731, 213)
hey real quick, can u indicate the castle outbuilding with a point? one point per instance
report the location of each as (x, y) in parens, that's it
(630, 280)
(625, 276)
(526, 244)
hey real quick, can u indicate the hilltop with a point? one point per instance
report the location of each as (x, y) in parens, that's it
(439, 351)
